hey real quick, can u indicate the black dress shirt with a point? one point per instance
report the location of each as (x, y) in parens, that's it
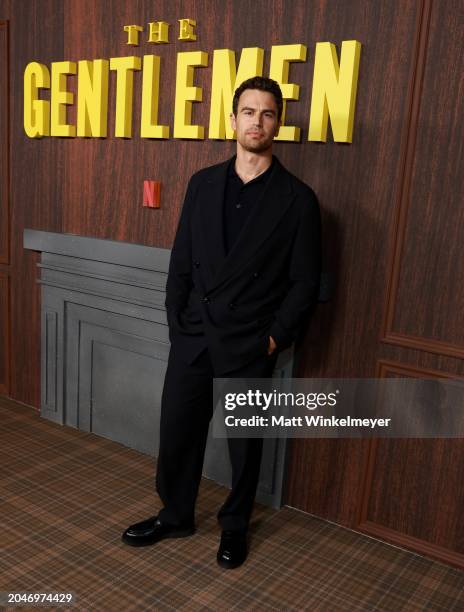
(239, 200)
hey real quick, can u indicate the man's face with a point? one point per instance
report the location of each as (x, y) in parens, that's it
(256, 122)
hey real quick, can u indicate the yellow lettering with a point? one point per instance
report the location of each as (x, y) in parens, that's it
(158, 32)
(225, 81)
(186, 29)
(334, 91)
(150, 95)
(186, 93)
(60, 98)
(133, 32)
(124, 67)
(281, 56)
(36, 112)
(92, 98)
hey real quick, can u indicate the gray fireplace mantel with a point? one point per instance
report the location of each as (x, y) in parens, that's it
(105, 345)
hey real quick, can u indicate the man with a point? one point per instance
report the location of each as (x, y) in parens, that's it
(243, 275)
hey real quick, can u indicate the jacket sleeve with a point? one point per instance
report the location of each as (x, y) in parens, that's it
(304, 276)
(179, 282)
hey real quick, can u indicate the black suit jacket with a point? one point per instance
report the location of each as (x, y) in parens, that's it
(266, 284)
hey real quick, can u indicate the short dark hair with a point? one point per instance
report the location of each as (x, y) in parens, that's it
(263, 84)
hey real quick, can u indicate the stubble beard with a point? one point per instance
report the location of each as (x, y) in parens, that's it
(256, 147)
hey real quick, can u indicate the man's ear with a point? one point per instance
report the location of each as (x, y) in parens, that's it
(279, 123)
(233, 123)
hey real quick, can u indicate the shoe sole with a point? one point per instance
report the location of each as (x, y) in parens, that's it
(177, 534)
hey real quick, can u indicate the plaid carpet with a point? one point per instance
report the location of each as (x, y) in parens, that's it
(67, 495)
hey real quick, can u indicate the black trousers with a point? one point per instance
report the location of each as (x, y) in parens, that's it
(186, 410)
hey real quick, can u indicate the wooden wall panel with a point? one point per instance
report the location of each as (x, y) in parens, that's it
(383, 487)
(4, 333)
(4, 205)
(37, 178)
(346, 177)
(410, 498)
(409, 484)
(429, 258)
(414, 493)
(94, 187)
(4, 145)
(358, 184)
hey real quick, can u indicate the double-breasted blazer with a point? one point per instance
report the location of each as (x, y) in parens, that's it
(264, 286)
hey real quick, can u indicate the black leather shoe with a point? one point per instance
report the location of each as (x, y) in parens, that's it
(233, 549)
(153, 530)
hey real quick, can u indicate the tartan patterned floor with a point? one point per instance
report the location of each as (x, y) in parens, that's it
(66, 496)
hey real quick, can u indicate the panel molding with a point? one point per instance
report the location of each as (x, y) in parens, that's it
(368, 527)
(445, 349)
(50, 358)
(385, 366)
(398, 229)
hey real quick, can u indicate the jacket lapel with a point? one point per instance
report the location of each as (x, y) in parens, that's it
(212, 199)
(266, 214)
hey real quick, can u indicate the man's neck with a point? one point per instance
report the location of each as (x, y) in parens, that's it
(250, 165)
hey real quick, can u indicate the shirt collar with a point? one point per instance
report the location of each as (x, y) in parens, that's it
(261, 177)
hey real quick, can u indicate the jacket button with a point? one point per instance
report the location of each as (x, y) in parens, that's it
(255, 274)
(205, 300)
(232, 305)
(196, 264)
